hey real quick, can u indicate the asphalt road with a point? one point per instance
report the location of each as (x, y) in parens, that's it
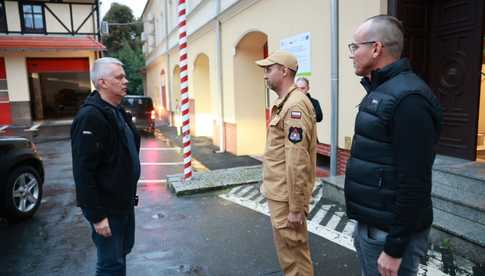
(197, 235)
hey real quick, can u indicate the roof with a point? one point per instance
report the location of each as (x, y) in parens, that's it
(49, 43)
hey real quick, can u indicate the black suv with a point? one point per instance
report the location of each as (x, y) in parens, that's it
(142, 112)
(22, 177)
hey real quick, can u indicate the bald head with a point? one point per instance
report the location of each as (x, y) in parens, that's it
(386, 29)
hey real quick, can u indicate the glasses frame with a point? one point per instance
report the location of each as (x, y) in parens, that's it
(355, 45)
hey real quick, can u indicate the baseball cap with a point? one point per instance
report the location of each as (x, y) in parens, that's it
(282, 57)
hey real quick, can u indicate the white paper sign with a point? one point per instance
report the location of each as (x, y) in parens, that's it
(299, 45)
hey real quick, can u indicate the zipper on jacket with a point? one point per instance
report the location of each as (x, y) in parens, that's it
(380, 178)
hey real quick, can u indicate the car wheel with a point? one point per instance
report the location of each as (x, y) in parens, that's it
(23, 193)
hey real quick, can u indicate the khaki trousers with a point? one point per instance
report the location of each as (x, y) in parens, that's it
(291, 244)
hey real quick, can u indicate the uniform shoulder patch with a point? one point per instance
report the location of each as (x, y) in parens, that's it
(295, 115)
(295, 134)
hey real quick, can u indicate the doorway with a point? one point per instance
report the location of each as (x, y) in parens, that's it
(443, 40)
(58, 86)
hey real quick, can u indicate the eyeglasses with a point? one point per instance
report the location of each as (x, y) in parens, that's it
(354, 46)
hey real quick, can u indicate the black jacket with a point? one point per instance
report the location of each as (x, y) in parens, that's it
(316, 107)
(388, 176)
(102, 165)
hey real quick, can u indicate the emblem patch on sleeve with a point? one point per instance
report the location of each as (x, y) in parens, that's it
(295, 115)
(295, 134)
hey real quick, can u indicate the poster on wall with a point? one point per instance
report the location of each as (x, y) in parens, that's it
(299, 45)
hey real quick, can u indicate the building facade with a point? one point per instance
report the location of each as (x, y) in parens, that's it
(46, 49)
(229, 101)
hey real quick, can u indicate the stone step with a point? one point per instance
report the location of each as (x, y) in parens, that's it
(463, 189)
(457, 212)
(214, 180)
(459, 226)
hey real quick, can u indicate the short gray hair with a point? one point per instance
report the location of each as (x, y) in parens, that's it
(304, 80)
(388, 30)
(100, 70)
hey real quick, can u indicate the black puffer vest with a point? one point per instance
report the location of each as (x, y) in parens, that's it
(371, 174)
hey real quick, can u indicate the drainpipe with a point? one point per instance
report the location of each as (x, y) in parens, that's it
(334, 87)
(222, 140)
(167, 62)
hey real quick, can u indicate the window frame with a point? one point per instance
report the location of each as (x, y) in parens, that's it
(3, 18)
(33, 30)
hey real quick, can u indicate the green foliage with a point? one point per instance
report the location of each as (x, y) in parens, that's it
(124, 43)
(134, 61)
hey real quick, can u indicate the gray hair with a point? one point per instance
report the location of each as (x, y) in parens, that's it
(303, 79)
(100, 70)
(388, 30)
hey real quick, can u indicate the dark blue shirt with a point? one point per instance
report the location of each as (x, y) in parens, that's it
(130, 139)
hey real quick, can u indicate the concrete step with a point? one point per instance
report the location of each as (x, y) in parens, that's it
(459, 213)
(214, 180)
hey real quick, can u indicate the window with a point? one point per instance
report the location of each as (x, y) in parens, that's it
(3, 19)
(33, 18)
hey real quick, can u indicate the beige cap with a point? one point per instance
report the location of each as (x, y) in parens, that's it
(282, 57)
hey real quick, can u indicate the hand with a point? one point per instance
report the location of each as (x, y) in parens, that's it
(387, 265)
(102, 228)
(295, 219)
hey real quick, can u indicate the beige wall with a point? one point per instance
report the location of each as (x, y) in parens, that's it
(16, 69)
(249, 16)
(17, 79)
(80, 12)
(250, 95)
(201, 86)
(62, 12)
(352, 13)
(52, 25)
(154, 81)
(13, 17)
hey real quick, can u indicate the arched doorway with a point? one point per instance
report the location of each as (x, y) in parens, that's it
(250, 94)
(163, 101)
(203, 124)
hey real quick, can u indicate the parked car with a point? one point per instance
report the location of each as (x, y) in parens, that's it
(22, 177)
(142, 112)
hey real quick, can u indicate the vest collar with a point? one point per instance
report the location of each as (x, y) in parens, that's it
(382, 75)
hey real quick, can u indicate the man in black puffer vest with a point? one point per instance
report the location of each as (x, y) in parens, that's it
(388, 175)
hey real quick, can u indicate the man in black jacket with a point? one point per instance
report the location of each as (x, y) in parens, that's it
(106, 166)
(388, 175)
(304, 85)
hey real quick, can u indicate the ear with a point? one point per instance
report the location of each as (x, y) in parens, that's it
(377, 50)
(285, 70)
(102, 83)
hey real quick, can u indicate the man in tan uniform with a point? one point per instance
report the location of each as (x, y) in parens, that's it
(289, 163)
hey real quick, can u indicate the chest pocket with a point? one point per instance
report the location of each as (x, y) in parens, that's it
(275, 131)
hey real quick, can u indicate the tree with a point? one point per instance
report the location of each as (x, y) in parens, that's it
(124, 43)
(133, 60)
(118, 34)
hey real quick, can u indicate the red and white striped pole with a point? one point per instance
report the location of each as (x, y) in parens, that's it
(184, 89)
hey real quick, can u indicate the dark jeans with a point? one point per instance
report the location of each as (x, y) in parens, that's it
(369, 243)
(112, 250)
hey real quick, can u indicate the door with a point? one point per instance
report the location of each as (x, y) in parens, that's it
(444, 43)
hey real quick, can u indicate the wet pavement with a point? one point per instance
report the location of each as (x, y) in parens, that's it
(194, 235)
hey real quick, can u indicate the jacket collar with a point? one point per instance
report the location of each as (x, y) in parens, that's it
(384, 74)
(280, 102)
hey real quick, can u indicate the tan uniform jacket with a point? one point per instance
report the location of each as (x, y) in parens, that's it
(290, 155)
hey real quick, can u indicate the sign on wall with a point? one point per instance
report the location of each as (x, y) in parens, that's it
(299, 45)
